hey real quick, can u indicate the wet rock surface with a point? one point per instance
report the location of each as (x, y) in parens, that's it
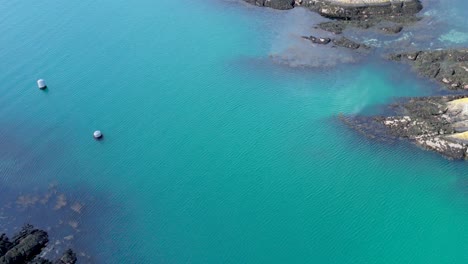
(317, 40)
(344, 9)
(339, 42)
(438, 123)
(358, 14)
(26, 247)
(448, 67)
(362, 9)
(347, 43)
(276, 4)
(384, 24)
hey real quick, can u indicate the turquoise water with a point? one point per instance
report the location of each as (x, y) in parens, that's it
(213, 153)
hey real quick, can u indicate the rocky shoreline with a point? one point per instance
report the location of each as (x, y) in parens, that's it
(437, 123)
(347, 9)
(27, 246)
(388, 15)
(448, 67)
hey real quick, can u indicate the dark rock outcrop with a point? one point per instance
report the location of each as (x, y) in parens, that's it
(26, 246)
(359, 14)
(316, 40)
(363, 10)
(392, 29)
(276, 4)
(342, 9)
(448, 67)
(340, 42)
(346, 43)
(438, 123)
(387, 25)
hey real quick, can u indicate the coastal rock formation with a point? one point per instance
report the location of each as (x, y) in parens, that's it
(348, 9)
(316, 40)
(276, 4)
(340, 42)
(361, 14)
(26, 246)
(363, 9)
(448, 67)
(347, 43)
(438, 123)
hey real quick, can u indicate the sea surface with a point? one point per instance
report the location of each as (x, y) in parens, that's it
(215, 150)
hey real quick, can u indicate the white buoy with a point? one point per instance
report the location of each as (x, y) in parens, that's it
(41, 84)
(97, 134)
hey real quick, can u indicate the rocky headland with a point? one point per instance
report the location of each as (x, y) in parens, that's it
(437, 123)
(27, 246)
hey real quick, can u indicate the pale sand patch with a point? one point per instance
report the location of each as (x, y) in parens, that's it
(459, 101)
(462, 136)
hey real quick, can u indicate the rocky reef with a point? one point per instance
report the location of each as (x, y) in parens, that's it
(337, 42)
(362, 9)
(389, 16)
(26, 247)
(437, 123)
(347, 9)
(448, 67)
(276, 4)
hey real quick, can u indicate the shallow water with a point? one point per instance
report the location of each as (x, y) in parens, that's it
(213, 152)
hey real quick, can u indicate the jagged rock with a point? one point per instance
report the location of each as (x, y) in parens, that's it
(437, 123)
(393, 29)
(26, 248)
(276, 4)
(5, 244)
(27, 245)
(322, 41)
(346, 43)
(344, 9)
(385, 24)
(333, 26)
